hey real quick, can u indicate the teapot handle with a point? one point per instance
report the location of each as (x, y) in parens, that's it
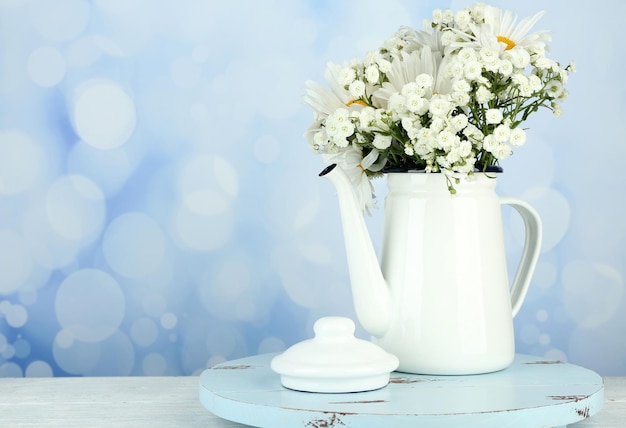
(530, 254)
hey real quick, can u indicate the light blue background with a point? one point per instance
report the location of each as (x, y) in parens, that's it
(160, 211)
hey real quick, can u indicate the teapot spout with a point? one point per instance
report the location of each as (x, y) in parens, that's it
(370, 292)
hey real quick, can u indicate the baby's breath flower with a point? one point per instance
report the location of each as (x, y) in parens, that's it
(437, 124)
(397, 103)
(424, 80)
(472, 70)
(467, 54)
(502, 133)
(483, 95)
(517, 137)
(372, 74)
(383, 65)
(446, 140)
(493, 116)
(459, 122)
(505, 67)
(412, 88)
(448, 16)
(448, 99)
(447, 37)
(347, 76)
(502, 151)
(522, 83)
(465, 148)
(370, 58)
(382, 142)
(534, 82)
(519, 57)
(461, 98)
(340, 142)
(367, 118)
(455, 69)
(490, 143)
(357, 89)
(417, 104)
(489, 56)
(437, 16)
(421, 148)
(461, 85)
(544, 63)
(478, 12)
(463, 19)
(321, 139)
(439, 106)
(554, 88)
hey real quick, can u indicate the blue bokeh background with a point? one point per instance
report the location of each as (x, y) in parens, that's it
(160, 211)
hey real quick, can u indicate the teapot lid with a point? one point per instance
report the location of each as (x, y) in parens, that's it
(334, 361)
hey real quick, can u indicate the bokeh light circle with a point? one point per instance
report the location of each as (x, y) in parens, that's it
(10, 369)
(232, 281)
(134, 245)
(95, 164)
(15, 261)
(22, 348)
(96, 359)
(593, 292)
(90, 305)
(221, 340)
(554, 210)
(46, 66)
(271, 344)
(203, 172)
(21, 162)
(8, 352)
(153, 304)
(75, 208)
(603, 342)
(169, 320)
(144, 332)
(16, 316)
(154, 364)
(59, 20)
(38, 369)
(3, 340)
(76, 357)
(204, 221)
(545, 274)
(104, 114)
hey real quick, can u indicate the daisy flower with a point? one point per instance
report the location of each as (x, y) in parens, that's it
(404, 70)
(323, 100)
(499, 30)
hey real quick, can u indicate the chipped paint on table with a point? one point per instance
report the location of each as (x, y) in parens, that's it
(532, 392)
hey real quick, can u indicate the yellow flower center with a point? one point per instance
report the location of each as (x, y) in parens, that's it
(359, 102)
(510, 44)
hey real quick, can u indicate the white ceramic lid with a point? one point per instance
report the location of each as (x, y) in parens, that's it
(334, 361)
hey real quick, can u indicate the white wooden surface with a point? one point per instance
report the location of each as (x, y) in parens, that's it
(164, 402)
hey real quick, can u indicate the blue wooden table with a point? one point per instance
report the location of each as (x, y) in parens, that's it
(532, 392)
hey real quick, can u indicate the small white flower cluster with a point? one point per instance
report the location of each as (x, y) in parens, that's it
(450, 98)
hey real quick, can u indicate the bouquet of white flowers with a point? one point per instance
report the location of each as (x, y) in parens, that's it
(449, 98)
